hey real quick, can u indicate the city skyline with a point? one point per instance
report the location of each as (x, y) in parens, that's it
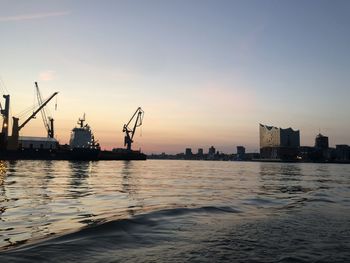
(205, 72)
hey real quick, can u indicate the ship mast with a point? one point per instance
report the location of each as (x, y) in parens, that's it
(81, 121)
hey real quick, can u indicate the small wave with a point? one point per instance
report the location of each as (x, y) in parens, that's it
(204, 209)
(293, 259)
(322, 200)
(121, 231)
(304, 201)
(262, 202)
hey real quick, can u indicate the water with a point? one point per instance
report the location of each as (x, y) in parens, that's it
(174, 211)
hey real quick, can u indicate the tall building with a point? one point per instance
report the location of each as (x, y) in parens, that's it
(211, 151)
(321, 142)
(188, 152)
(240, 152)
(278, 143)
(200, 152)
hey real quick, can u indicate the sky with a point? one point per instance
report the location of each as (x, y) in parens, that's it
(206, 72)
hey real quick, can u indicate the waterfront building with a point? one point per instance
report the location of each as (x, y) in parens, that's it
(211, 152)
(321, 142)
(188, 152)
(240, 152)
(322, 147)
(342, 152)
(200, 152)
(278, 143)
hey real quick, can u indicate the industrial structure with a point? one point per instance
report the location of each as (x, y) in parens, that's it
(37, 143)
(129, 129)
(82, 145)
(33, 142)
(130, 132)
(12, 142)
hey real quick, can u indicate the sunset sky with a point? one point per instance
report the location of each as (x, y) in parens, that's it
(205, 72)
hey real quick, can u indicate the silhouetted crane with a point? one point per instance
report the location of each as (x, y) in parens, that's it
(129, 133)
(13, 140)
(48, 121)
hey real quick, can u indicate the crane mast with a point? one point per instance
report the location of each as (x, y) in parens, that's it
(130, 132)
(5, 112)
(48, 121)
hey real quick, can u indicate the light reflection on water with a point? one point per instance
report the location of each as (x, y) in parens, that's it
(43, 198)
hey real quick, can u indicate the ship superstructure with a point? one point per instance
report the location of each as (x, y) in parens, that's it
(82, 137)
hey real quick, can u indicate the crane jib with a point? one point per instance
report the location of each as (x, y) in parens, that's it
(35, 112)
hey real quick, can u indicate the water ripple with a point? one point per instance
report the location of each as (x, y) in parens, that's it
(208, 211)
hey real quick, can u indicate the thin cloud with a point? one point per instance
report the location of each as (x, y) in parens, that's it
(47, 75)
(33, 16)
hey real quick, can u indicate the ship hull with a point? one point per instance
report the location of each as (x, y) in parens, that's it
(75, 154)
(30, 154)
(45, 154)
(125, 155)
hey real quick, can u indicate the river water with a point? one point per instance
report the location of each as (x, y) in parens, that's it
(174, 211)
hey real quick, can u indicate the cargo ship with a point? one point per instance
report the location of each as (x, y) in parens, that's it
(82, 145)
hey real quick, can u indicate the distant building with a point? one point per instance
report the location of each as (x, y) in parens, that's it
(278, 143)
(306, 153)
(277, 137)
(322, 151)
(211, 152)
(188, 152)
(321, 142)
(240, 152)
(200, 152)
(342, 152)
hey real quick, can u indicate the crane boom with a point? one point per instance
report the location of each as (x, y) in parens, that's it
(129, 133)
(35, 112)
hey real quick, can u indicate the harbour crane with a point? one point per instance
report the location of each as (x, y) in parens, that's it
(129, 133)
(48, 121)
(5, 112)
(13, 140)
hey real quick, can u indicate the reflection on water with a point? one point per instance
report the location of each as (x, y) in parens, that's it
(280, 178)
(79, 188)
(130, 185)
(127, 179)
(3, 170)
(79, 172)
(42, 198)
